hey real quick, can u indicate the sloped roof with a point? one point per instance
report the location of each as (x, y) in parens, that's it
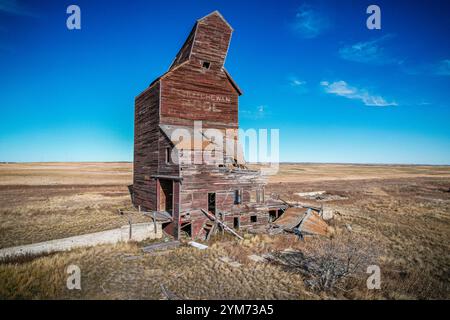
(306, 220)
(233, 83)
(216, 12)
(185, 51)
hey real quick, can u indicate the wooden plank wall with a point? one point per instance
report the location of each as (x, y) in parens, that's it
(146, 135)
(212, 40)
(199, 180)
(190, 92)
(164, 168)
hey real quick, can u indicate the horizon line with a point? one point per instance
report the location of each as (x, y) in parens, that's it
(253, 163)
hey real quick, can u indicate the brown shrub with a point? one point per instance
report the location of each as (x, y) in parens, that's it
(328, 263)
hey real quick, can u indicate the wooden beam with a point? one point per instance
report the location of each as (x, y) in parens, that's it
(222, 224)
(159, 176)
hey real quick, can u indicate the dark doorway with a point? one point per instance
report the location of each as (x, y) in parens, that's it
(236, 223)
(212, 203)
(166, 195)
(273, 215)
(237, 197)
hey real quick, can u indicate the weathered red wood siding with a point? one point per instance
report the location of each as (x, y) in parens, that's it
(146, 134)
(190, 92)
(199, 180)
(212, 39)
(167, 169)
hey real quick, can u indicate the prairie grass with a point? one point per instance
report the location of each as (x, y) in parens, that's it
(36, 214)
(403, 212)
(124, 272)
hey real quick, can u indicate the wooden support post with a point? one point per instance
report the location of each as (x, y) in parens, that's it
(222, 217)
(131, 228)
(154, 221)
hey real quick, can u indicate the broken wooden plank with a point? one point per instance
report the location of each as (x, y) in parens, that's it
(222, 224)
(198, 245)
(211, 231)
(160, 216)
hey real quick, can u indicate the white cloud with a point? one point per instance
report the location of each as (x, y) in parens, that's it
(309, 22)
(342, 89)
(298, 85)
(371, 52)
(295, 82)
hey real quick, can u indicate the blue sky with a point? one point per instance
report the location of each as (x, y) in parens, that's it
(337, 91)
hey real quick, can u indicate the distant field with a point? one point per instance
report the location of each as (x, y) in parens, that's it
(44, 201)
(403, 210)
(121, 173)
(321, 172)
(60, 173)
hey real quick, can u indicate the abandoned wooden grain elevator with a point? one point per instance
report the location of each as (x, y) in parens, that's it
(196, 97)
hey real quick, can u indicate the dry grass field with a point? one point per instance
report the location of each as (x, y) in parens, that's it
(54, 200)
(400, 212)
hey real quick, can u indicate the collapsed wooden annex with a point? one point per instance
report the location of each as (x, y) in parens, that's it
(196, 90)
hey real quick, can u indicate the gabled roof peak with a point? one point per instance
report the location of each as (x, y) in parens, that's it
(216, 12)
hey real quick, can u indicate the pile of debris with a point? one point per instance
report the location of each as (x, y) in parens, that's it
(320, 196)
(302, 221)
